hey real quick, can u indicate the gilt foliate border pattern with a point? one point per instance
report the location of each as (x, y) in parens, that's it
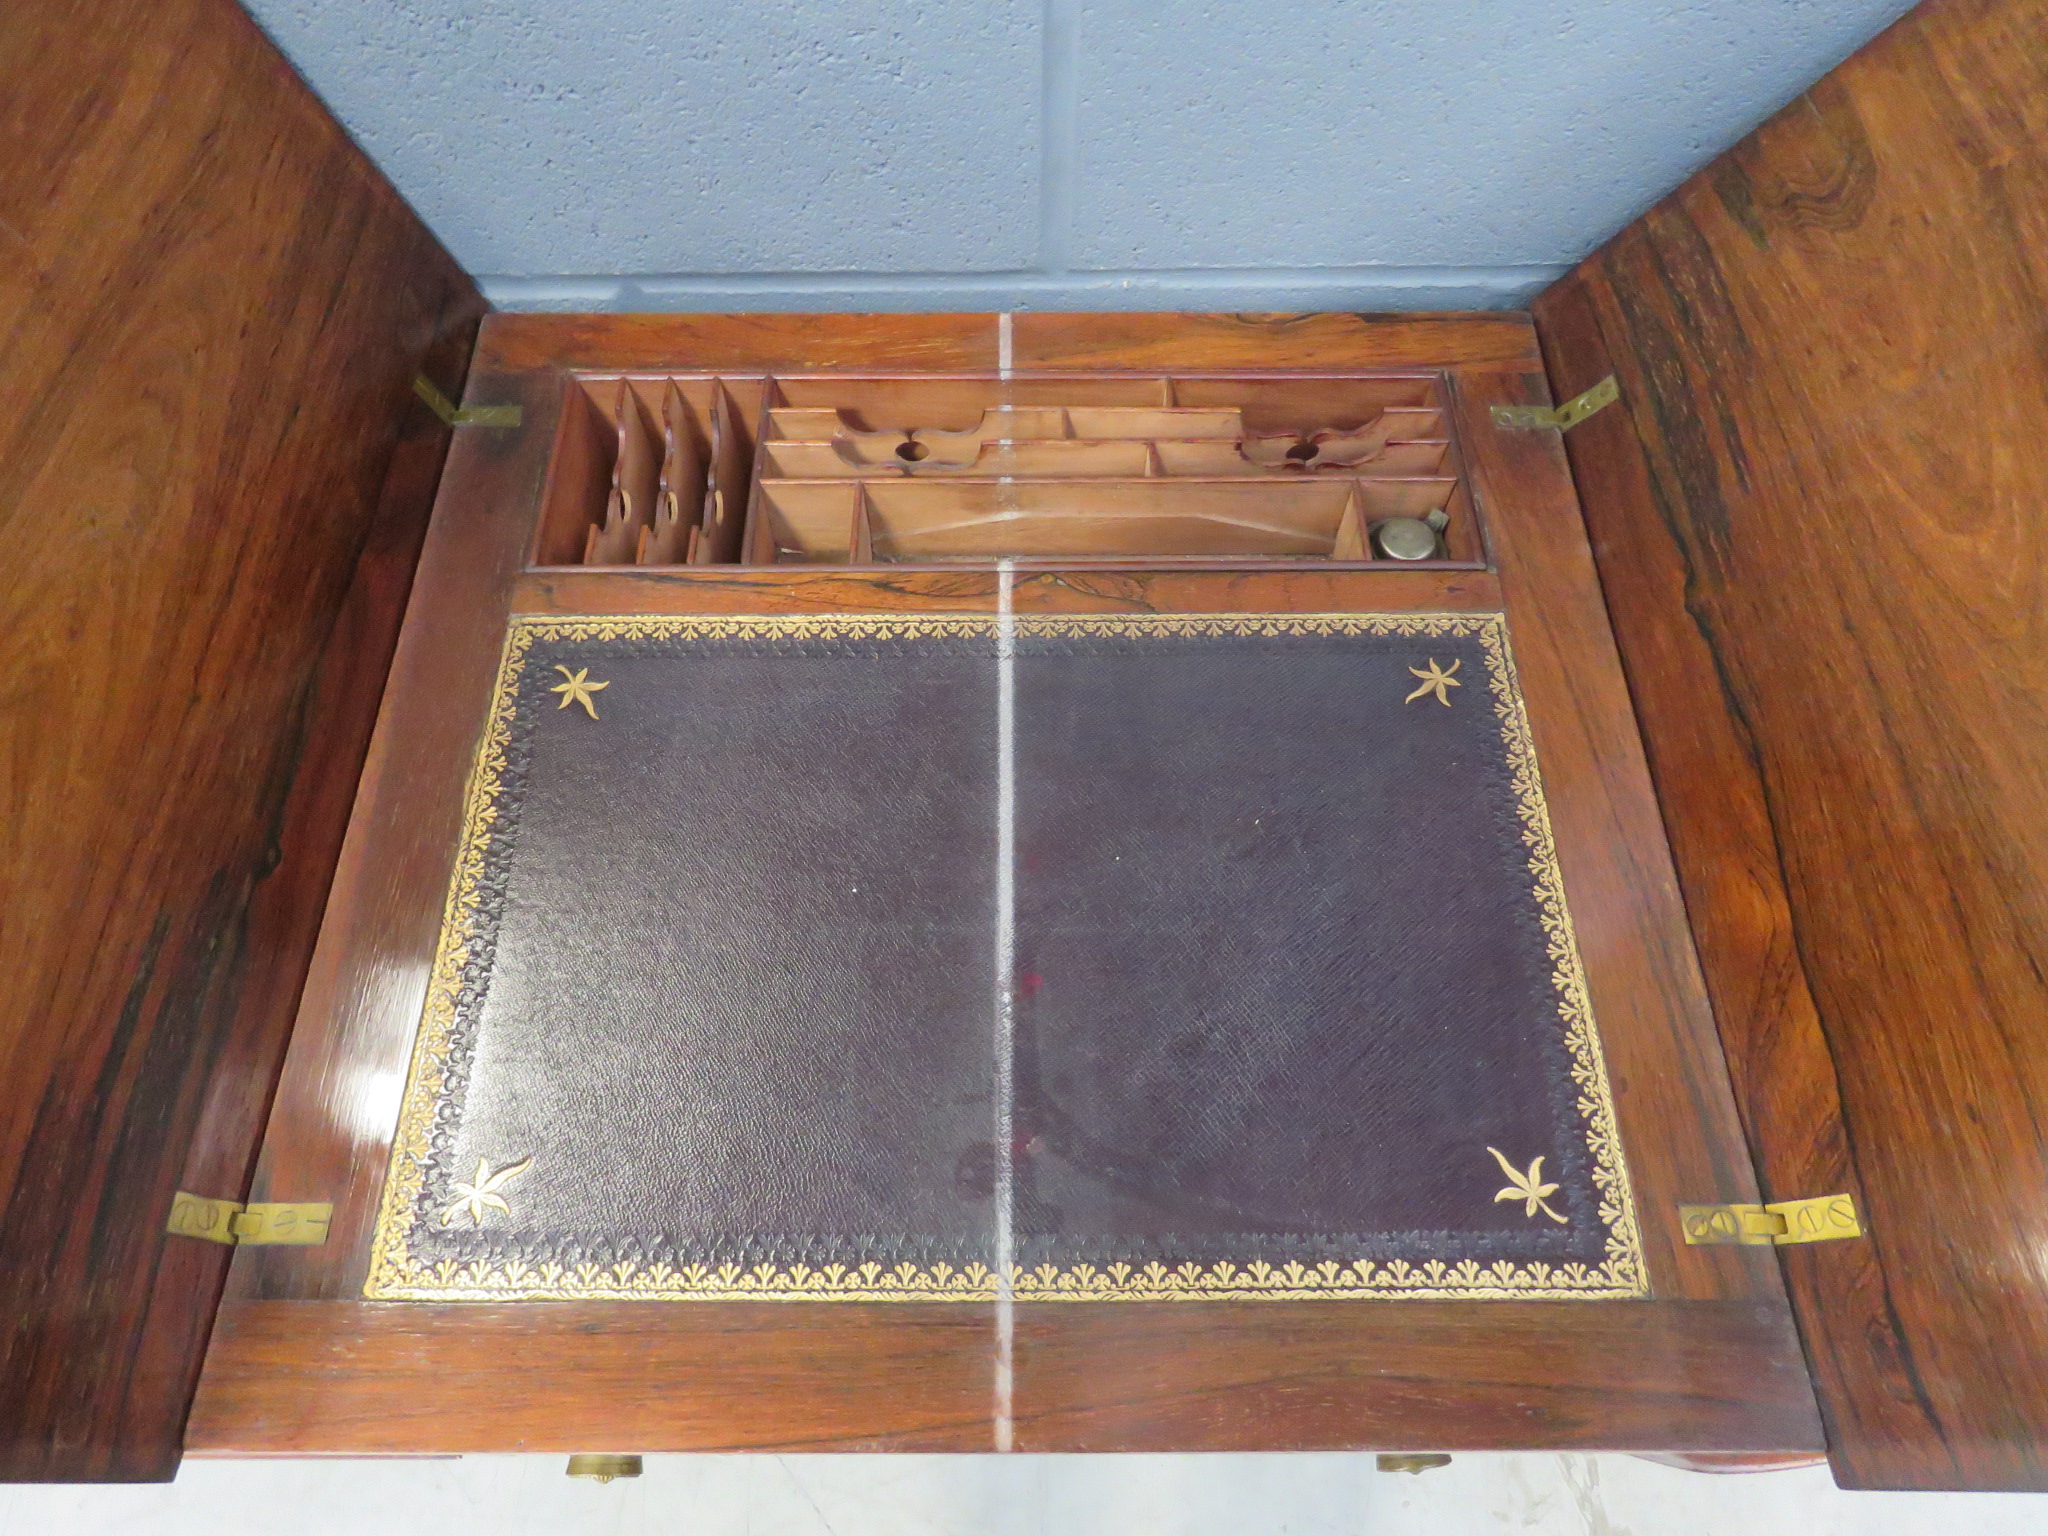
(396, 1274)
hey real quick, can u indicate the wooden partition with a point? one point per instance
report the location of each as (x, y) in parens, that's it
(214, 479)
(1818, 517)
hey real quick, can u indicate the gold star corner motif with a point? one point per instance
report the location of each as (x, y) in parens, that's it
(1436, 680)
(577, 689)
(473, 1199)
(1528, 1188)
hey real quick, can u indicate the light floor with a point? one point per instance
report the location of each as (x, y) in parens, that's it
(1300, 1495)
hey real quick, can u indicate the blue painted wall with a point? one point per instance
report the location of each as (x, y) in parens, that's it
(992, 154)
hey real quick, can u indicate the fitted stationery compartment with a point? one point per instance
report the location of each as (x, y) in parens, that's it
(677, 470)
(649, 471)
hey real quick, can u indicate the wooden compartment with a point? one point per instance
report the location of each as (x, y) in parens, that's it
(924, 522)
(1068, 468)
(649, 471)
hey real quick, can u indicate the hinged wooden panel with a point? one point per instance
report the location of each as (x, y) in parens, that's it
(1817, 512)
(213, 482)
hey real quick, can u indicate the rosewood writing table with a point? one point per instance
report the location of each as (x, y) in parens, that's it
(931, 883)
(1103, 897)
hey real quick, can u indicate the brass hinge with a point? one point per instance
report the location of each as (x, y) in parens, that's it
(300, 1222)
(469, 416)
(1818, 1220)
(603, 1466)
(1563, 417)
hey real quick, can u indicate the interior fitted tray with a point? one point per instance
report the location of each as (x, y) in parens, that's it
(677, 470)
(922, 958)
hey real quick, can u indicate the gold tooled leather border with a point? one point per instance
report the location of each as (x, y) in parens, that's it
(395, 1275)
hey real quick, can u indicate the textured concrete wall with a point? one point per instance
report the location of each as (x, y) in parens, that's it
(1339, 154)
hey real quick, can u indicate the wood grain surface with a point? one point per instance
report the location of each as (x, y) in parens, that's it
(302, 1364)
(1436, 1376)
(786, 343)
(743, 344)
(1817, 513)
(400, 1378)
(213, 483)
(1197, 341)
(396, 1378)
(769, 589)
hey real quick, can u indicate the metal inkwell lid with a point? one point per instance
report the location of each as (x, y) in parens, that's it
(1409, 538)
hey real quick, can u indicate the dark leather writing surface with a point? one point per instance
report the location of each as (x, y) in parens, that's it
(1277, 995)
(1280, 961)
